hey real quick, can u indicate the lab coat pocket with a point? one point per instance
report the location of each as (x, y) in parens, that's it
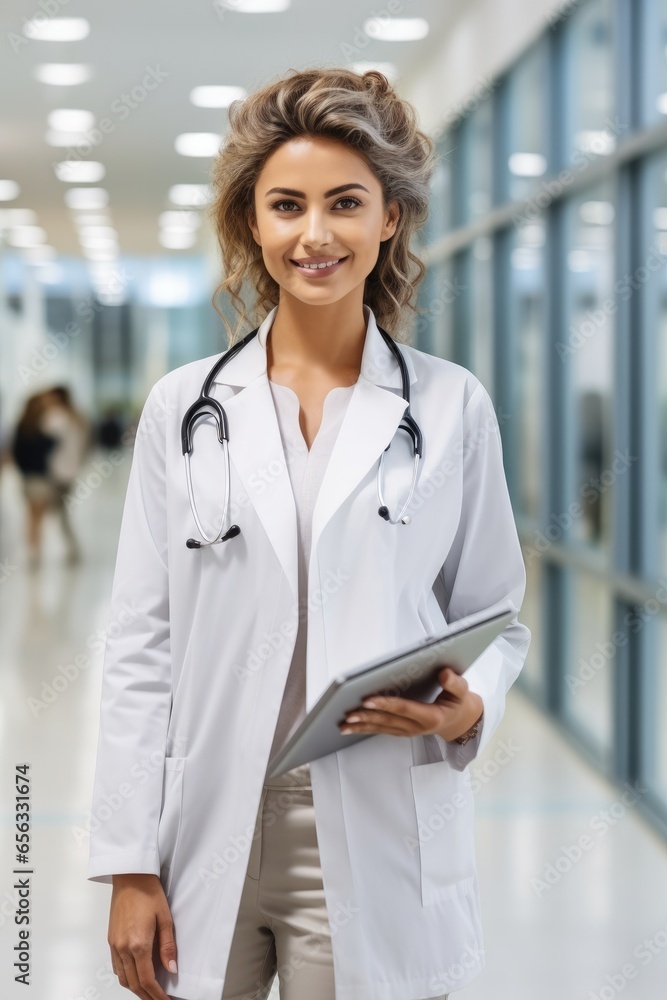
(445, 823)
(169, 826)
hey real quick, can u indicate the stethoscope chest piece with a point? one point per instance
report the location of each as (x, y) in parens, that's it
(207, 405)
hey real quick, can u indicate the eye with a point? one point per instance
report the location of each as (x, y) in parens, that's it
(349, 198)
(276, 204)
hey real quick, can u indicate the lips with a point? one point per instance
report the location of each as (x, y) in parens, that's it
(316, 272)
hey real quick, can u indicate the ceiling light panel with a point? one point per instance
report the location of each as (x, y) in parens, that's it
(197, 143)
(216, 96)
(57, 29)
(63, 74)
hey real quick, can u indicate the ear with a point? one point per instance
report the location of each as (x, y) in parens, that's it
(392, 215)
(253, 229)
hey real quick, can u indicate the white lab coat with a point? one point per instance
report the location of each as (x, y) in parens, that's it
(200, 643)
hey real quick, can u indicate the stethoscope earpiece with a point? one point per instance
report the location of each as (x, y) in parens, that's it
(205, 404)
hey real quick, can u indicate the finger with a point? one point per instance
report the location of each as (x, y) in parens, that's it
(407, 715)
(117, 966)
(454, 683)
(165, 944)
(132, 960)
(146, 972)
(130, 971)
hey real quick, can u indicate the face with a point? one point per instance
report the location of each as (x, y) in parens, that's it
(316, 198)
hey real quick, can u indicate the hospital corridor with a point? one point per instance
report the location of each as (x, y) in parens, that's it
(535, 359)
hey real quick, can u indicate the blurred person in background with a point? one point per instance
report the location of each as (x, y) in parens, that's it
(50, 442)
(30, 449)
(72, 431)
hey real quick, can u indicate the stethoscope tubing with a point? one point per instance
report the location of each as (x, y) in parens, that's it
(205, 403)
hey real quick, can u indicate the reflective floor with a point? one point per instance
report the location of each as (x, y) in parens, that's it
(561, 921)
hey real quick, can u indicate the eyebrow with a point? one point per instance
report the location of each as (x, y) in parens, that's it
(327, 194)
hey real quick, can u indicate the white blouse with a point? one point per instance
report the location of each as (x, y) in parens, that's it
(306, 471)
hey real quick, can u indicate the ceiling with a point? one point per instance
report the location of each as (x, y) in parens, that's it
(188, 45)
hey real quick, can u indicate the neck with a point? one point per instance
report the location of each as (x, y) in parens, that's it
(307, 339)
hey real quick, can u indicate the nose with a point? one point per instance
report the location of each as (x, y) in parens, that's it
(316, 232)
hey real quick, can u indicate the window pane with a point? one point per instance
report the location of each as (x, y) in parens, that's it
(586, 347)
(654, 731)
(446, 290)
(527, 321)
(533, 672)
(589, 671)
(481, 311)
(527, 88)
(653, 61)
(439, 215)
(475, 163)
(653, 277)
(590, 78)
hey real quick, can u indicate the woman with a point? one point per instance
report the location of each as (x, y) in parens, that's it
(31, 448)
(353, 876)
(73, 435)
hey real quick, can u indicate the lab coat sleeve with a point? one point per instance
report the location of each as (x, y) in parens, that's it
(485, 565)
(136, 681)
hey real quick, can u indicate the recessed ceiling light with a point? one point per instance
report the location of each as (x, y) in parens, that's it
(389, 69)
(63, 74)
(396, 29)
(9, 190)
(17, 217)
(660, 218)
(86, 198)
(597, 213)
(197, 143)
(99, 254)
(71, 120)
(579, 260)
(177, 241)
(216, 96)
(79, 171)
(98, 242)
(26, 236)
(85, 219)
(190, 194)
(67, 139)
(185, 220)
(106, 231)
(527, 164)
(255, 6)
(57, 29)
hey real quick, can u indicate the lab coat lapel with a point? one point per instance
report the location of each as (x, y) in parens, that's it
(371, 419)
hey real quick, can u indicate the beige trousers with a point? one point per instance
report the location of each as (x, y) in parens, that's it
(282, 925)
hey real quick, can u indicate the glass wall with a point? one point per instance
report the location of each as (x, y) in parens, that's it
(474, 163)
(526, 138)
(527, 316)
(586, 350)
(588, 47)
(559, 306)
(653, 79)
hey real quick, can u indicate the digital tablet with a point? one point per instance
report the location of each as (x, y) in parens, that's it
(411, 672)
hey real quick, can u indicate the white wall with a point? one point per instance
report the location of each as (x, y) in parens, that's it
(484, 38)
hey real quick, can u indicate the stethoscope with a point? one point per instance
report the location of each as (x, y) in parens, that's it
(205, 403)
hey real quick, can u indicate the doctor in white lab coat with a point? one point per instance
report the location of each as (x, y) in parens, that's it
(197, 660)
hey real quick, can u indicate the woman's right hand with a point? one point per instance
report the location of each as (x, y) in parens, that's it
(141, 931)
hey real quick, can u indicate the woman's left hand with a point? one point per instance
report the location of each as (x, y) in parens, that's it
(451, 714)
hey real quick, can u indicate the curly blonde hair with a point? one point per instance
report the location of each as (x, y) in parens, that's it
(361, 111)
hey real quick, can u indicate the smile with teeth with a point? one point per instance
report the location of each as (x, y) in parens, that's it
(316, 266)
